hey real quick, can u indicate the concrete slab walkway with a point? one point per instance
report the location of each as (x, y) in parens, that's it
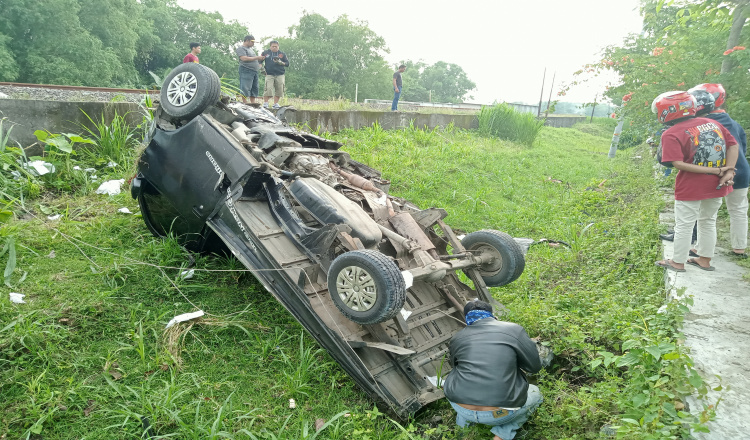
(717, 330)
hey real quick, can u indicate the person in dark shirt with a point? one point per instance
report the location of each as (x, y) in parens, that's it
(487, 384)
(736, 201)
(192, 57)
(397, 86)
(276, 64)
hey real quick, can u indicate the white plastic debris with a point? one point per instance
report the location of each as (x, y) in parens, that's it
(187, 274)
(662, 310)
(461, 237)
(54, 217)
(17, 298)
(292, 404)
(408, 278)
(405, 313)
(525, 243)
(381, 200)
(110, 187)
(39, 167)
(111, 164)
(77, 168)
(124, 211)
(433, 380)
(185, 317)
(89, 170)
(4, 96)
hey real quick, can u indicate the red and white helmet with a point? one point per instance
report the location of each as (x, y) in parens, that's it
(671, 106)
(717, 90)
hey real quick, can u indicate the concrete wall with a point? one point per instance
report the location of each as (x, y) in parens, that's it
(334, 121)
(28, 116)
(564, 121)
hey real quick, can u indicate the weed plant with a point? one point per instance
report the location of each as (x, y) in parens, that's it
(505, 122)
(88, 356)
(115, 141)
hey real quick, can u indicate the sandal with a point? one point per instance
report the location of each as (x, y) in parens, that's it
(741, 255)
(667, 264)
(694, 262)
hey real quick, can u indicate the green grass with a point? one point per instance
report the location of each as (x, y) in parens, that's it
(505, 122)
(88, 355)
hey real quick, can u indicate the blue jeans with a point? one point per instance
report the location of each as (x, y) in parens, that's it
(503, 425)
(396, 96)
(249, 82)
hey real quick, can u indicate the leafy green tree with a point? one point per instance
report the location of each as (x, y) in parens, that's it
(49, 45)
(681, 46)
(447, 82)
(328, 59)
(8, 65)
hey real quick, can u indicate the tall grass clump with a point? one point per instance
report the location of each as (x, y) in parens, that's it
(505, 122)
(115, 141)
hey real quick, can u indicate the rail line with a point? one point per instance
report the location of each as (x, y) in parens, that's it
(79, 88)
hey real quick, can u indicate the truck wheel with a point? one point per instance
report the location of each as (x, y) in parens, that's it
(508, 263)
(188, 90)
(366, 286)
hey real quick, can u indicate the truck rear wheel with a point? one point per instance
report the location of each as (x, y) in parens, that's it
(508, 262)
(366, 286)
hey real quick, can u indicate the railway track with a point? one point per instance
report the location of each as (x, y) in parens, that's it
(79, 88)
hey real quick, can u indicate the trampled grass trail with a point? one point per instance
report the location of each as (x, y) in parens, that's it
(87, 355)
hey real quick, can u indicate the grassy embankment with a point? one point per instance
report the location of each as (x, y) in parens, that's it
(88, 357)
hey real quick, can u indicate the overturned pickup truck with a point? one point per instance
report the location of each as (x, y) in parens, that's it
(371, 276)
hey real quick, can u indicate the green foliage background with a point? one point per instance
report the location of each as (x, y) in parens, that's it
(115, 43)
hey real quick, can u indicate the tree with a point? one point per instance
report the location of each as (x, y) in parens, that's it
(444, 82)
(328, 59)
(681, 46)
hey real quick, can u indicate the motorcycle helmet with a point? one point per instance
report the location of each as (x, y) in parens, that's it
(673, 106)
(717, 90)
(704, 100)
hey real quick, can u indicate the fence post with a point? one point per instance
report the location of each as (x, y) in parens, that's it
(356, 92)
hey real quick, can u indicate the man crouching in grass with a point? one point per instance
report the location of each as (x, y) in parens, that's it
(486, 384)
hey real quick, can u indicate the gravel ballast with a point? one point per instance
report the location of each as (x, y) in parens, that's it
(44, 94)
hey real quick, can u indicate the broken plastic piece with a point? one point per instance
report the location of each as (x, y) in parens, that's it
(433, 380)
(187, 274)
(292, 404)
(185, 317)
(110, 187)
(39, 167)
(17, 298)
(405, 313)
(54, 217)
(408, 279)
(111, 164)
(124, 211)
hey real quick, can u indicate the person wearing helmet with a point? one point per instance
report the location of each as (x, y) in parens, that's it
(705, 154)
(737, 203)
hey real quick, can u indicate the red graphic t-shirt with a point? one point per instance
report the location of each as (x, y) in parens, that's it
(190, 58)
(697, 141)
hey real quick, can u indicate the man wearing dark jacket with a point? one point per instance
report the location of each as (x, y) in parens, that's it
(737, 203)
(276, 64)
(487, 384)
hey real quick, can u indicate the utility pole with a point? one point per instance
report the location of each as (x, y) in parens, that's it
(356, 92)
(541, 94)
(546, 112)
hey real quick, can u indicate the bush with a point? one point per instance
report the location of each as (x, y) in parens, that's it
(505, 122)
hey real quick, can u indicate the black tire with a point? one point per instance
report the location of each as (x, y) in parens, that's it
(509, 261)
(188, 90)
(382, 277)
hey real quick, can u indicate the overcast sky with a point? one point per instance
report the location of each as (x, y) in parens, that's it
(502, 45)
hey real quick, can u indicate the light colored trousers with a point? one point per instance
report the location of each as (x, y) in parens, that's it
(686, 213)
(737, 207)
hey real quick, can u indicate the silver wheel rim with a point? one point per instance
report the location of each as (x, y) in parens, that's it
(181, 89)
(356, 288)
